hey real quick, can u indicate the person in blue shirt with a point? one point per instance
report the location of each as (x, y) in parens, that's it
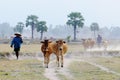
(99, 40)
(16, 42)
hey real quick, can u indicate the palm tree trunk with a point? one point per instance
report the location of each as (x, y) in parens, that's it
(74, 32)
(32, 31)
(94, 35)
(41, 36)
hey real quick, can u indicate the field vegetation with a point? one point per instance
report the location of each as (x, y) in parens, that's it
(85, 71)
(33, 69)
(21, 70)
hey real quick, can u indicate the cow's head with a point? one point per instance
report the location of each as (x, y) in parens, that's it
(45, 46)
(60, 44)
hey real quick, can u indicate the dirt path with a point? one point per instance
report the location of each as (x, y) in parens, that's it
(52, 71)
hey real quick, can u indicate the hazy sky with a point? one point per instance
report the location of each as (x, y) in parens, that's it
(104, 12)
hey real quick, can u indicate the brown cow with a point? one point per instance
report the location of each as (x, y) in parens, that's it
(91, 43)
(59, 49)
(85, 43)
(47, 51)
(105, 44)
(88, 43)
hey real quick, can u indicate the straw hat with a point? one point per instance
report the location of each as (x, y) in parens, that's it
(17, 34)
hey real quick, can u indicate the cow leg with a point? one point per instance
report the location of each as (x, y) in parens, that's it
(48, 60)
(46, 65)
(58, 61)
(45, 62)
(61, 60)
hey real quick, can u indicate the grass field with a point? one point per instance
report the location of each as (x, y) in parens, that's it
(85, 71)
(113, 63)
(35, 48)
(21, 70)
(33, 69)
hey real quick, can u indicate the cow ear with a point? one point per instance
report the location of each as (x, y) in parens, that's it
(42, 42)
(64, 42)
(56, 41)
(50, 41)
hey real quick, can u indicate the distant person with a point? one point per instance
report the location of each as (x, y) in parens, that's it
(16, 41)
(99, 40)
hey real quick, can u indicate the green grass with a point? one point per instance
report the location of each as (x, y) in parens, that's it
(35, 48)
(63, 77)
(85, 71)
(113, 63)
(21, 70)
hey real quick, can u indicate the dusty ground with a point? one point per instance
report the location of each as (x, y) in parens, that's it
(52, 72)
(74, 54)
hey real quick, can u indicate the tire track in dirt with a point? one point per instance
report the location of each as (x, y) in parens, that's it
(99, 66)
(104, 68)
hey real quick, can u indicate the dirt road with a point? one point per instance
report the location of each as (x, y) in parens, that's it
(52, 71)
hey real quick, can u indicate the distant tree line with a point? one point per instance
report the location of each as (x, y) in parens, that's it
(71, 30)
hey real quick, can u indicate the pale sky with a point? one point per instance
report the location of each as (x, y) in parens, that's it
(104, 12)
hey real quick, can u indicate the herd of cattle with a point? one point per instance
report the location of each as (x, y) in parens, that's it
(90, 43)
(59, 48)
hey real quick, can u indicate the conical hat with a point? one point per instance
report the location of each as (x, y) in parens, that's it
(17, 34)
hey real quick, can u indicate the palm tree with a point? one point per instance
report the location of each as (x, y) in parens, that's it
(75, 20)
(31, 20)
(41, 27)
(19, 27)
(94, 27)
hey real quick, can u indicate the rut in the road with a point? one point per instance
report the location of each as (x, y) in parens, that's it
(99, 66)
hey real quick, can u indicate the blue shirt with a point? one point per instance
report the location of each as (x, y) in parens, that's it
(99, 39)
(17, 41)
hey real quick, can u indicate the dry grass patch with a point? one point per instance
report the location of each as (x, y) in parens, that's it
(32, 48)
(113, 63)
(21, 70)
(85, 71)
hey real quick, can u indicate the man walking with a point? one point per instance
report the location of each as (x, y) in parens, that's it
(99, 40)
(17, 41)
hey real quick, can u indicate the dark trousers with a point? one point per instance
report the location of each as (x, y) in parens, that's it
(17, 52)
